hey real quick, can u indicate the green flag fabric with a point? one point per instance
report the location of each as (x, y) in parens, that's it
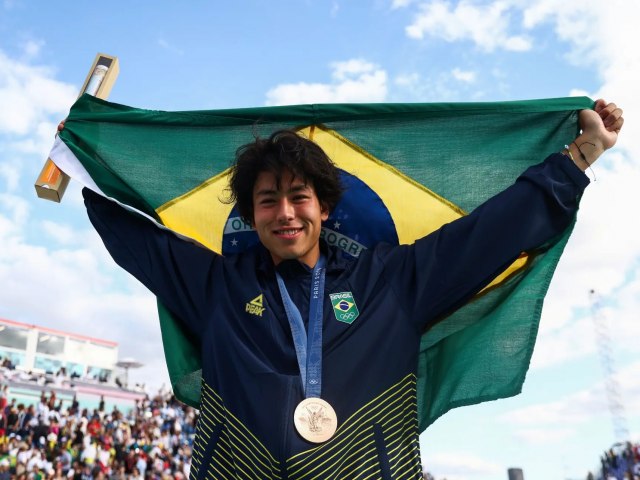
(408, 168)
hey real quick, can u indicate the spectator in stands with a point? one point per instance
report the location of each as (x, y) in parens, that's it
(74, 405)
(5, 474)
(10, 417)
(137, 475)
(4, 393)
(119, 474)
(24, 419)
(6, 363)
(63, 460)
(60, 377)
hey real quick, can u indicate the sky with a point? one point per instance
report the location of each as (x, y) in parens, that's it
(54, 271)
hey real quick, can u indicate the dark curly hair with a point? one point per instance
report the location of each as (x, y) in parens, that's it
(284, 150)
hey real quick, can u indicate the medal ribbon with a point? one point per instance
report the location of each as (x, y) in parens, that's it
(308, 347)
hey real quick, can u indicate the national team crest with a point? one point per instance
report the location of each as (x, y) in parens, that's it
(344, 307)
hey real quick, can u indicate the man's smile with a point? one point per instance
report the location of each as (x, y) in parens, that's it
(288, 232)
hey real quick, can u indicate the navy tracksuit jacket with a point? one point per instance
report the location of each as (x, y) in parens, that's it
(251, 382)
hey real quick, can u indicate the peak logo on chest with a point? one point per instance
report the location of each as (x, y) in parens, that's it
(256, 306)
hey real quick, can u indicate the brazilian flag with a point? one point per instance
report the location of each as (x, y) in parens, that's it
(408, 169)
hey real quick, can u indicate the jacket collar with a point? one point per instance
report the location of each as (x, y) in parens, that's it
(336, 261)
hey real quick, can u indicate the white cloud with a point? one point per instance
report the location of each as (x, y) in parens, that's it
(62, 234)
(354, 80)
(466, 76)
(349, 69)
(557, 346)
(38, 141)
(11, 174)
(588, 29)
(431, 89)
(578, 92)
(628, 382)
(395, 4)
(599, 36)
(29, 96)
(487, 26)
(407, 80)
(461, 466)
(438, 88)
(16, 212)
(571, 410)
(576, 409)
(32, 48)
(543, 436)
(599, 256)
(579, 23)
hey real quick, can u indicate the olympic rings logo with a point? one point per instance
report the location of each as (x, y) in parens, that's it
(348, 316)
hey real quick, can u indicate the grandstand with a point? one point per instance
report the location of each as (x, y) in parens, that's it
(37, 359)
(65, 414)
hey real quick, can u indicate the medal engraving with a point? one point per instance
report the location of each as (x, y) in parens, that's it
(315, 420)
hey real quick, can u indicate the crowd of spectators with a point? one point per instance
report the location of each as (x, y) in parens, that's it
(47, 440)
(61, 378)
(620, 462)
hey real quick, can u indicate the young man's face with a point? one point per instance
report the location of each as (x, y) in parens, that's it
(288, 219)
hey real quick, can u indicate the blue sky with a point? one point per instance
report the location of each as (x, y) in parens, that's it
(54, 271)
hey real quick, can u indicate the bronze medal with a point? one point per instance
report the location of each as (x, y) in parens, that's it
(315, 420)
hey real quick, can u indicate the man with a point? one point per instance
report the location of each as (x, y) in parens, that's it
(280, 373)
(5, 473)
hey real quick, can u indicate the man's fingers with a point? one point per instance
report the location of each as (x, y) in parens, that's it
(607, 110)
(613, 119)
(616, 126)
(599, 105)
(610, 114)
